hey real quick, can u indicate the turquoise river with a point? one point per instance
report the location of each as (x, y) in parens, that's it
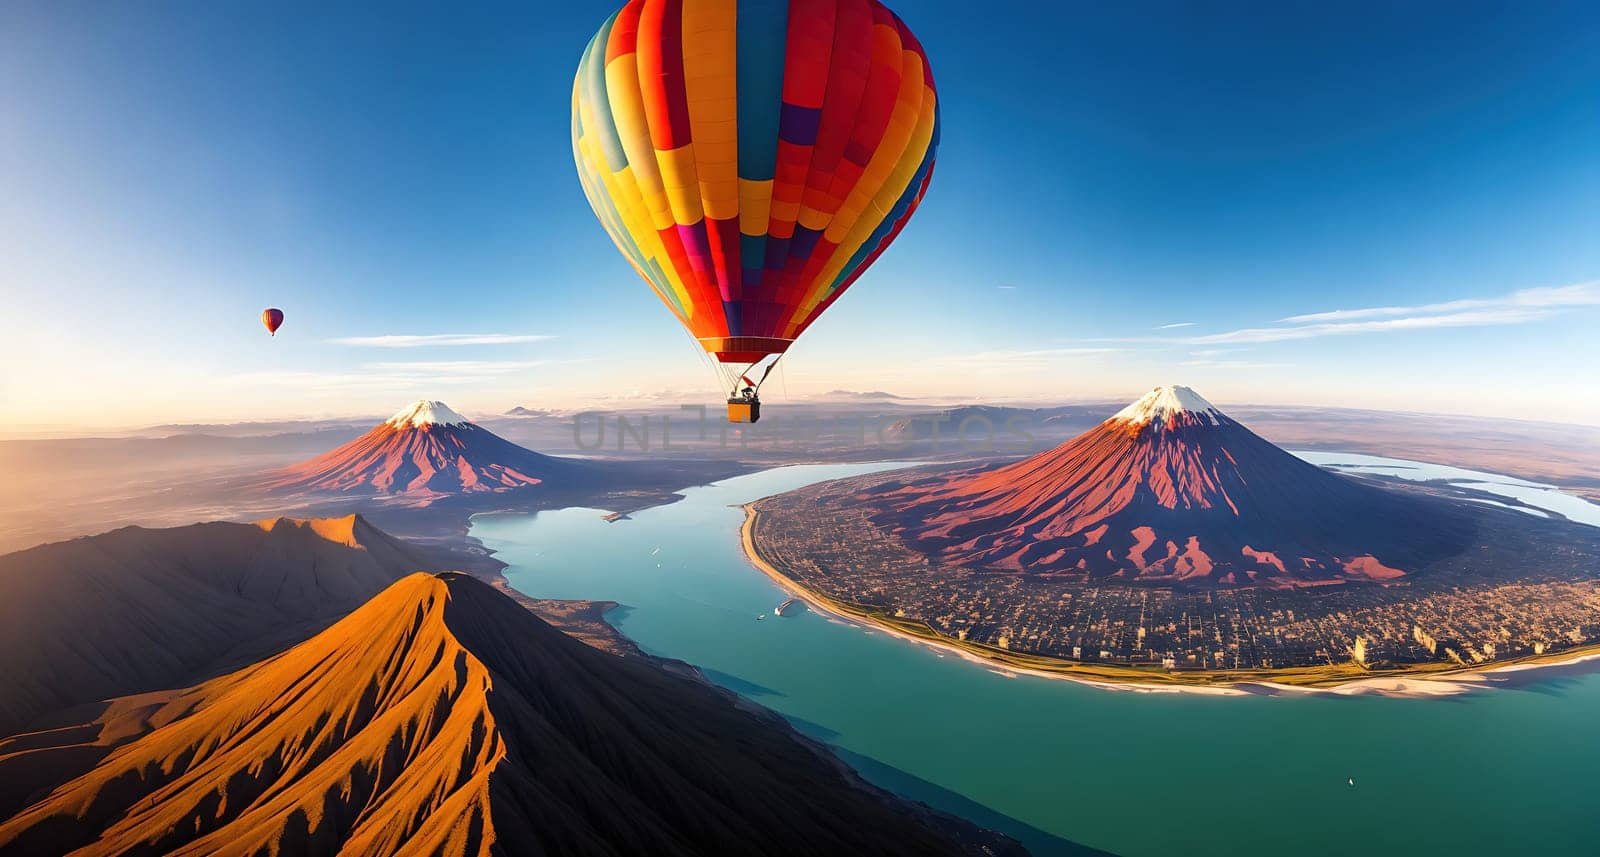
(1061, 765)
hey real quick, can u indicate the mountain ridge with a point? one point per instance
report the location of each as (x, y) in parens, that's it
(136, 608)
(441, 717)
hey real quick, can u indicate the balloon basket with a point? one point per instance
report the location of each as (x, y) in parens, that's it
(741, 410)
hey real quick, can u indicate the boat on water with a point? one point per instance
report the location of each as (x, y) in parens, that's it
(785, 607)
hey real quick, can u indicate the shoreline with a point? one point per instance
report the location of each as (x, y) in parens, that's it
(1346, 680)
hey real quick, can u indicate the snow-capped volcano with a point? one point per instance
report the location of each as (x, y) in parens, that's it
(1172, 488)
(425, 412)
(1168, 406)
(427, 449)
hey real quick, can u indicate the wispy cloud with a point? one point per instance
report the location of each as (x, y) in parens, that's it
(1480, 318)
(1020, 359)
(1519, 307)
(637, 396)
(336, 381)
(1006, 286)
(396, 340)
(397, 375)
(471, 367)
(1175, 325)
(1555, 297)
(1232, 364)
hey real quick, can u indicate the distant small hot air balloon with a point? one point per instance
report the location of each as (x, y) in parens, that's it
(751, 158)
(273, 319)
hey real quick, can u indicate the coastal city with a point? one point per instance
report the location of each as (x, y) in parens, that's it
(1448, 619)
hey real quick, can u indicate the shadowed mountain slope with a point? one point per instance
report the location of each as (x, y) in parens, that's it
(443, 718)
(137, 609)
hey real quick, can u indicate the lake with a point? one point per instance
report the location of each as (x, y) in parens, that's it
(1055, 763)
(1535, 494)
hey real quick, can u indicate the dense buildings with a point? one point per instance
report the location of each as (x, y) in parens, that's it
(1530, 588)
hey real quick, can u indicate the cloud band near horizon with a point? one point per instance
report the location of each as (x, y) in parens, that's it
(394, 340)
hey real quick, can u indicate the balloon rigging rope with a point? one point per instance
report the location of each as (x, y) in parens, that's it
(770, 366)
(726, 376)
(711, 364)
(744, 376)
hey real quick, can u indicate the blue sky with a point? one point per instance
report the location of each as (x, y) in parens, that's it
(1106, 172)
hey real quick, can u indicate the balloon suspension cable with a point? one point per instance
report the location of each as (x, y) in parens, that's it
(706, 359)
(744, 378)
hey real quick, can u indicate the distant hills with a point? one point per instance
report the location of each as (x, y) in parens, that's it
(870, 395)
(442, 718)
(1001, 427)
(1170, 488)
(520, 411)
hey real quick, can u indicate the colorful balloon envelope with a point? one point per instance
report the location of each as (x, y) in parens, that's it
(751, 158)
(272, 319)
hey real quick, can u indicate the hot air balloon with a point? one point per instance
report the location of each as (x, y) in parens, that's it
(751, 158)
(273, 319)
